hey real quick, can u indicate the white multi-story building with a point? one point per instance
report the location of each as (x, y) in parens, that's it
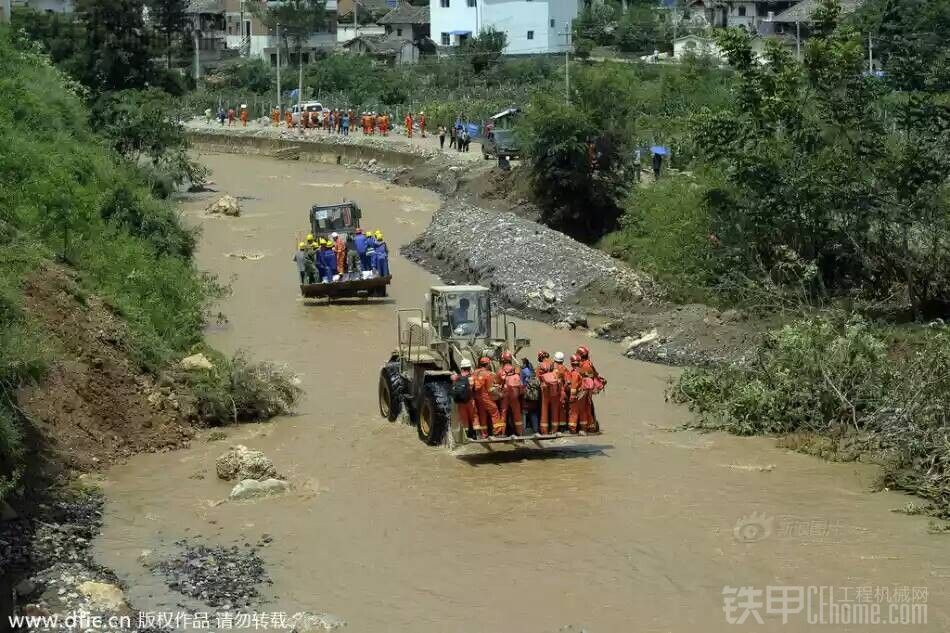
(531, 26)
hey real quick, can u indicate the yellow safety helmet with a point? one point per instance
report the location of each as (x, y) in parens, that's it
(309, 237)
(378, 234)
(301, 245)
(379, 237)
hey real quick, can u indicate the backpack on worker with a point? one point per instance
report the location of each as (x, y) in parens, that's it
(461, 389)
(532, 390)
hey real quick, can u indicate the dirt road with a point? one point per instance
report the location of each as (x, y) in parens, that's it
(392, 535)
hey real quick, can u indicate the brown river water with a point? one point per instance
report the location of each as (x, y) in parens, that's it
(636, 533)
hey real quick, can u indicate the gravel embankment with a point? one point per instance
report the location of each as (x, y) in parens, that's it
(530, 268)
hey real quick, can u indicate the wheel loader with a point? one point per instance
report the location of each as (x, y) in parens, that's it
(455, 324)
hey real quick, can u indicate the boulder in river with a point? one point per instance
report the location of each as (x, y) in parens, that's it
(102, 595)
(254, 489)
(242, 463)
(196, 361)
(226, 205)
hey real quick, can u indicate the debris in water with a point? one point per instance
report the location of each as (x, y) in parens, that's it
(225, 577)
(751, 467)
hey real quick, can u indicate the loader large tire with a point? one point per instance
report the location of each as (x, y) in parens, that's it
(435, 413)
(392, 390)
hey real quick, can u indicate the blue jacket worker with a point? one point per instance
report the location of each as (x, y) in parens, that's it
(382, 256)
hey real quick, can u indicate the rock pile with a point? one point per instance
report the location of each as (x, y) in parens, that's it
(240, 462)
(225, 205)
(226, 577)
(529, 266)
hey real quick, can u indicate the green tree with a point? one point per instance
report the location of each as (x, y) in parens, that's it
(168, 18)
(819, 192)
(485, 49)
(116, 52)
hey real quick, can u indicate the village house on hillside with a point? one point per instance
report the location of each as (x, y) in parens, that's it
(368, 13)
(531, 26)
(408, 21)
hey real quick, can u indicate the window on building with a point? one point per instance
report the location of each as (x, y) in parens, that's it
(273, 59)
(446, 39)
(399, 32)
(530, 35)
(471, 3)
(741, 12)
(444, 4)
(552, 23)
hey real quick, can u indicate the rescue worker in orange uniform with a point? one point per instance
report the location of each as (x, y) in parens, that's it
(384, 125)
(485, 382)
(244, 116)
(598, 382)
(509, 377)
(373, 119)
(422, 124)
(289, 117)
(468, 414)
(408, 123)
(564, 389)
(550, 393)
(579, 399)
(339, 247)
(275, 117)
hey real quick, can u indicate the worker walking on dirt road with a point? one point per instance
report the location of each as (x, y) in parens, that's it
(512, 390)
(550, 393)
(463, 389)
(485, 384)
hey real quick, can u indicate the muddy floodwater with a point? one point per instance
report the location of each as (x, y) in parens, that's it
(641, 532)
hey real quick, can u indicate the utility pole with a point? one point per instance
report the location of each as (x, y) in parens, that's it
(798, 41)
(277, 31)
(300, 86)
(197, 56)
(870, 55)
(567, 64)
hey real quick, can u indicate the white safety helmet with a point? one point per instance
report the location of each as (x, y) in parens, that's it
(558, 357)
(335, 235)
(465, 364)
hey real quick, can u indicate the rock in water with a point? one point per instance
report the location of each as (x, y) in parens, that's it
(226, 205)
(242, 463)
(103, 595)
(310, 622)
(253, 489)
(196, 361)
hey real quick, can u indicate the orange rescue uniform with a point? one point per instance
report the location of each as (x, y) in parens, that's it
(579, 414)
(510, 379)
(564, 387)
(550, 396)
(485, 404)
(339, 247)
(468, 414)
(408, 123)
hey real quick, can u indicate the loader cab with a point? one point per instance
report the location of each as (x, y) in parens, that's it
(460, 312)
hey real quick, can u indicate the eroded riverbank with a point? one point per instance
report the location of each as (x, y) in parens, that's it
(392, 535)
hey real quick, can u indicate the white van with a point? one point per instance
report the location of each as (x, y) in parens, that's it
(307, 106)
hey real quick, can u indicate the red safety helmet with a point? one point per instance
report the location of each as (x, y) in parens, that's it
(583, 352)
(484, 361)
(506, 357)
(575, 360)
(542, 355)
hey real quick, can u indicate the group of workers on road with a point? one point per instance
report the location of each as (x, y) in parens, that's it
(357, 256)
(549, 399)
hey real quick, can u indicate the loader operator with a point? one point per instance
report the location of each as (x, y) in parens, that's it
(485, 383)
(463, 387)
(509, 378)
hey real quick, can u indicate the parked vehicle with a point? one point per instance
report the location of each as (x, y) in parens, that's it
(307, 106)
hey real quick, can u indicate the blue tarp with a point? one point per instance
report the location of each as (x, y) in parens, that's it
(659, 149)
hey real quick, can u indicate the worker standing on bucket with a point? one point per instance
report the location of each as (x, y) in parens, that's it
(485, 384)
(381, 256)
(339, 248)
(359, 243)
(564, 389)
(463, 387)
(512, 390)
(594, 384)
(550, 393)
(579, 399)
